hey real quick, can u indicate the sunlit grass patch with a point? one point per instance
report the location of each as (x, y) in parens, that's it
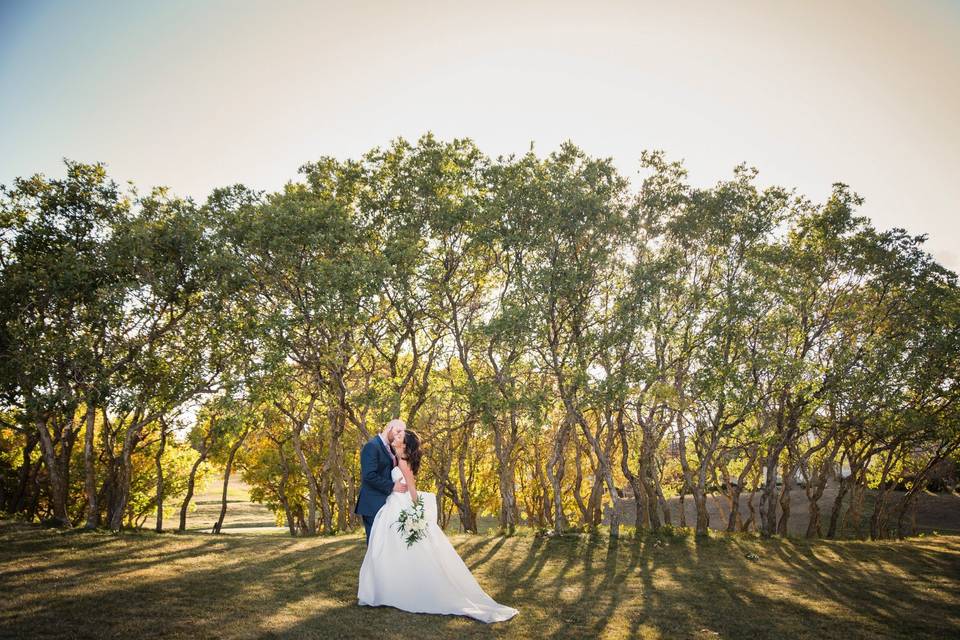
(667, 585)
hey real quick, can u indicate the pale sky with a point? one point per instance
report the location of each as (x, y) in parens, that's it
(199, 94)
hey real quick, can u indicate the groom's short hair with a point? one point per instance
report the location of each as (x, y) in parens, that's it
(396, 422)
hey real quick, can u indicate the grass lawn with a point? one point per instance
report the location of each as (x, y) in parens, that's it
(243, 516)
(142, 585)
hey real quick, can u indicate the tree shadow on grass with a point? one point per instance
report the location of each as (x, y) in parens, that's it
(890, 588)
(86, 553)
(203, 600)
(787, 592)
(253, 586)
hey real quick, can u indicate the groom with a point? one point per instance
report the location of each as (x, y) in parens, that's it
(377, 459)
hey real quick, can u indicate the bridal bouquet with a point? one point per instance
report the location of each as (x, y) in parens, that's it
(412, 523)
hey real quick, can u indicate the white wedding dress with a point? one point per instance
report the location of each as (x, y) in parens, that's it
(427, 577)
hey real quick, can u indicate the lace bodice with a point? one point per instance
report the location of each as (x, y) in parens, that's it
(396, 475)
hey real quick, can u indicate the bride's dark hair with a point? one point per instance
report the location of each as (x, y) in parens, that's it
(411, 448)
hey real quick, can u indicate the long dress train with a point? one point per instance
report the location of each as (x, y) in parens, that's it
(427, 577)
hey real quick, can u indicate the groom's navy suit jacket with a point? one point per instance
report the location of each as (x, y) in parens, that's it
(376, 483)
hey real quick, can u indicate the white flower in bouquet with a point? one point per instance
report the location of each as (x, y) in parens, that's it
(412, 523)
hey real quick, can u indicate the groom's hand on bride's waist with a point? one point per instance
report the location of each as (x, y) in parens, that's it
(400, 487)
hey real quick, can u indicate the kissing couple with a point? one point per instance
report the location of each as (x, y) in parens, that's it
(410, 564)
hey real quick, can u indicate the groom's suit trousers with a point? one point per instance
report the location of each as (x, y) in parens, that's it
(367, 523)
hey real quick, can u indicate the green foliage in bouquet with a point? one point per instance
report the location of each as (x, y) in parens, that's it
(412, 523)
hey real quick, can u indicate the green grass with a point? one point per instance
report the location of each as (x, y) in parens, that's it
(242, 515)
(143, 585)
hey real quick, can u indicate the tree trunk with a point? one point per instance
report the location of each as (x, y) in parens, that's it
(855, 511)
(578, 485)
(226, 480)
(298, 425)
(336, 472)
(788, 481)
(543, 502)
(311, 482)
(298, 516)
(698, 487)
(843, 485)
(464, 511)
(468, 516)
(768, 504)
(282, 493)
(700, 501)
(18, 500)
(159, 465)
(878, 519)
(920, 481)
(752, 518)
(814, 490)
(122, 487)
(639, 492)
(55, 477)
(654, 479)
(813, 507)
(735, 521)
(505, 476)
(603, 461)
(595, 502)
(682, 505)
(323, 501)
(508, 498)
(554, 470)
(121, 490)
(89, 467)
(191, 483)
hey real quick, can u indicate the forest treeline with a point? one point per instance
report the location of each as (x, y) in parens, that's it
(557, 334)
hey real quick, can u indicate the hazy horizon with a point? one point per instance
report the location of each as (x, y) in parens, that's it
(195, 96)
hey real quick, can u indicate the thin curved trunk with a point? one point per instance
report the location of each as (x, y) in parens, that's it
(768, 503)
(468, 515)
(735, 523)
(908, 502)
(814, 489)
(697, 487)
(554, 471)
(654, 478)
(226, 479)
(55, 476)
(603, 460)
(298, 425)
(639, 492)
(578, 485)
(282, 490)
(159, 465)
(311, 482)
(878, 519)
(191, 483)
(505, 475)
(543, 503)
(336, 472)
(788, 482)
(89, 466)
(837, 513)
(122, 486)
(752, 518)
(854, 513)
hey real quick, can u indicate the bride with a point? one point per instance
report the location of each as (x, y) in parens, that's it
(428, 576)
